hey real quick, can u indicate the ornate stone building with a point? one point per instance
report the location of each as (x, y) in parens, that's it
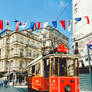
(17, 49)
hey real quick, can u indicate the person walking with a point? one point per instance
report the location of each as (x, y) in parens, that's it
(5, 83)
(0, 83)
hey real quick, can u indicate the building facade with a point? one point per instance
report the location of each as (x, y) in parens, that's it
(17, 49)
(82, 32)
(52, 38)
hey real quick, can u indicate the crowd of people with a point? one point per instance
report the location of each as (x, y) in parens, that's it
(11, 80)
(3, 83)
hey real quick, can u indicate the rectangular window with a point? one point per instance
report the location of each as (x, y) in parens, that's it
(20, 64)
(46, 67)
(54, 67)
(63, 68)
(76, 44)
(21, 52)
(32, 43)
(33, 70)
(70, 67)
(38, 69)
(0, 53)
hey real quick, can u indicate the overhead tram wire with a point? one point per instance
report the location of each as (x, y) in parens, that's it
(64, 9)
(69, 2)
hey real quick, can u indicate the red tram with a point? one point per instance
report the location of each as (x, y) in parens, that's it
(54, 73)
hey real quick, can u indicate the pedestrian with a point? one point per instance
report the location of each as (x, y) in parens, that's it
(20, 79)
(13, 82)
(2, 83)
(5, 83)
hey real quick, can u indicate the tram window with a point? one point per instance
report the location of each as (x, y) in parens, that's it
(33, 70)
(46, 67)
(37, 69)
(70, 67)
(63, 68)
(54, 67)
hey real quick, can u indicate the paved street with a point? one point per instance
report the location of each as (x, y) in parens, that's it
(20, 89)
(13, 89)
(85, 91)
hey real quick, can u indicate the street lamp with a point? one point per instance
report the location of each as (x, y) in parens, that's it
(89, 46)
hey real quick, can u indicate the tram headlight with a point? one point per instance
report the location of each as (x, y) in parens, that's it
(71, 80)
(67, 88)
(63, 80)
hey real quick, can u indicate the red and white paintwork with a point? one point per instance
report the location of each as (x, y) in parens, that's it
(57, 84)
(38, 83)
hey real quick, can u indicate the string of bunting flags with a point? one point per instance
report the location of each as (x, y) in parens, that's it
(37, 25)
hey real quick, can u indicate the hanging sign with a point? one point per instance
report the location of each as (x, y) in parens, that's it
(90, 46)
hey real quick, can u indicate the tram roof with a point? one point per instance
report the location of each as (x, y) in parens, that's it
(35, 60)
(60, 55)
(52, 55)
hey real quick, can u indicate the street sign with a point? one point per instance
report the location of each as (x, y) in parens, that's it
(90, 46)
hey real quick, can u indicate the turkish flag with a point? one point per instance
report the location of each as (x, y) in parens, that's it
(63, 23)
(88, 22)
(1, 24)
(38, 24)
(18, 23)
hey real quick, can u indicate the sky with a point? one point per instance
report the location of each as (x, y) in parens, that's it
(37, 11)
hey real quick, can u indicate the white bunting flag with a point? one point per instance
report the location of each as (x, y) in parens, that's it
(69, 22)
(44, 26)
(23, 25)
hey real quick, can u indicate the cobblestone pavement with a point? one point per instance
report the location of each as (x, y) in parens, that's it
(13, 89)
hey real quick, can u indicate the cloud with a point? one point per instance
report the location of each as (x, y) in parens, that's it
(62, 4)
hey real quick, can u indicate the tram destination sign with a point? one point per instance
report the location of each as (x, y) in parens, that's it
(62, 48)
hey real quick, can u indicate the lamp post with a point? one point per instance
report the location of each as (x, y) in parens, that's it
(88, 46)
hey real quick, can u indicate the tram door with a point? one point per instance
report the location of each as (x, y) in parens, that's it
(57, 69)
